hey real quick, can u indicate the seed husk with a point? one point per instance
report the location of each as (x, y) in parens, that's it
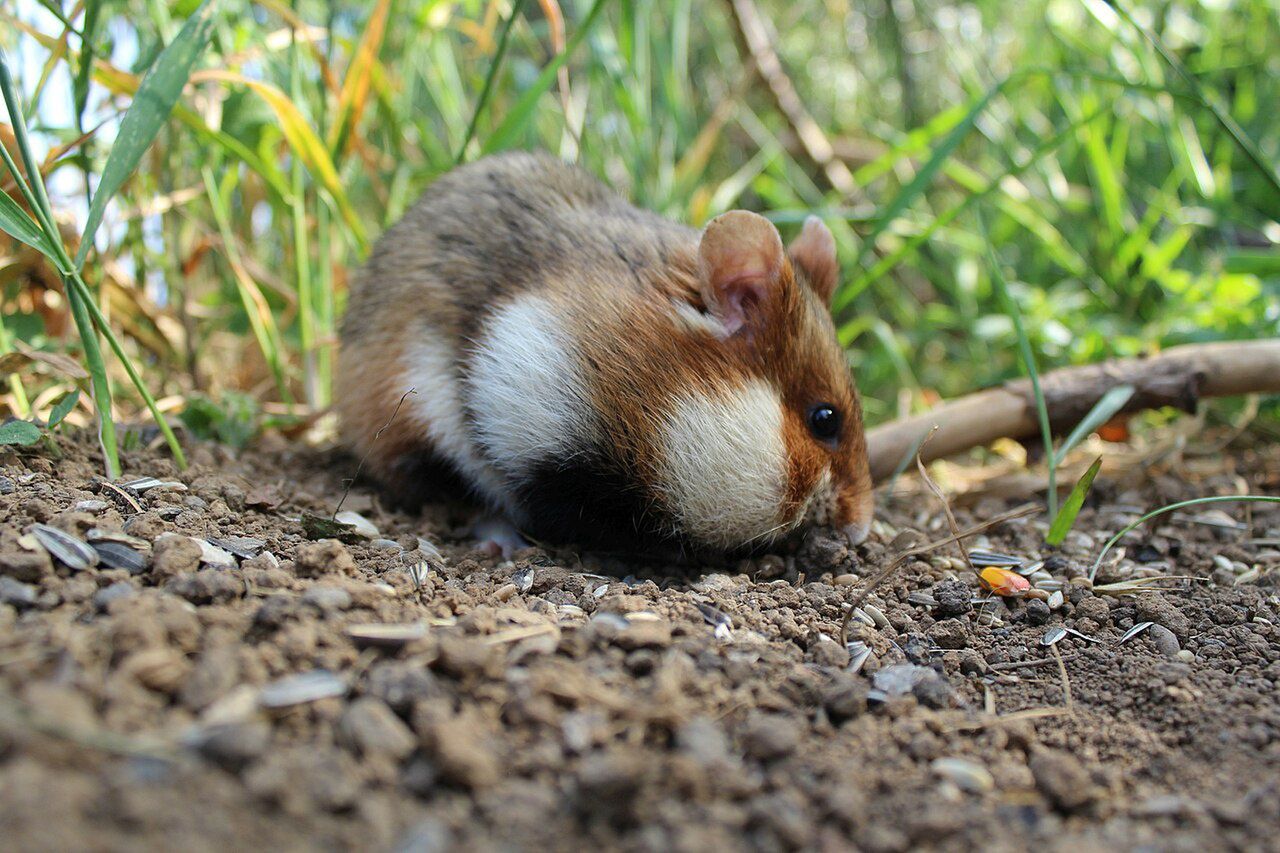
(386, 635)
(69, 550)
(302, 688)
(115, 555)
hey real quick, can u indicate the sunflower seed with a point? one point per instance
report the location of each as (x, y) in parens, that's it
(115, 555)
(967, 775)
(876, 615)
(388, 635)
(523, 579)
(362, 526)
(859, 653)
(302, 688)
(1135, 631)
(862, 616)
(713, 616)
(1073, 632)
(146, 484)
(212, 555)
(1030, 568)
(97, 534)
(65, 548)
(244, 547)
(1053, 636)
(983, 558)
(89, 506)
(1056, 600)
(1050, 585)
(6, 486)
(418, 573)
(922, 599)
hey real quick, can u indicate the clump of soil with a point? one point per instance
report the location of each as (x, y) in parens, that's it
(219, 680)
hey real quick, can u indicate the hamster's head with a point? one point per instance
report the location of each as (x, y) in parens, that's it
(768, 437)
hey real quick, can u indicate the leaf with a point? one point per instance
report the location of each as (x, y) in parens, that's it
(1071, 508)
(15, 222)
(23, 433)
(150, 109)
(303, 140)
(355, 86)
(319, 527)
(63, 408)
(519, 114)
(1103, 410)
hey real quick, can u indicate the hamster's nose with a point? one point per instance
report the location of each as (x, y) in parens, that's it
(858, 531)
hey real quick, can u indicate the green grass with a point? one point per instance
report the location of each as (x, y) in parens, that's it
(1124, 160)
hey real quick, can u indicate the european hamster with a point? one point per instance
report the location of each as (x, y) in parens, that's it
(602, 375)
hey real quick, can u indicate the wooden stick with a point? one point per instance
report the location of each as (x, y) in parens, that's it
(1179, 377)
(755, 39)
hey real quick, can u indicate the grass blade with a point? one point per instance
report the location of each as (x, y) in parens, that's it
(919, 183)
(15, 222)
(150, 109)
(1066, 516)
(1102, 411)
(1028, 362)
(355, 86)
(487, 89)
(304, 142)
(1170, 508)
(514, 122)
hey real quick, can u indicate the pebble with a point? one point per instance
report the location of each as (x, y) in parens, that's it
(1165, 641)
(326, 557)
(1185, 655)
(372, 728)
(1155, 607)
(768, 737)
(929, 688)
(207, 586)
(120, 589)
(953, 598)
(324, 597)
(16, 593)
(233, 746)
(1038, 612)
(1061, 778)
(172, 554)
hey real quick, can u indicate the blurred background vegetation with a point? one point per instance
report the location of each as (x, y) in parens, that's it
(1118, 160)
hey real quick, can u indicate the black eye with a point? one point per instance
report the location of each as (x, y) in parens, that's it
(824, 422)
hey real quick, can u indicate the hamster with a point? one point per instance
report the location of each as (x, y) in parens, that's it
(599, 374)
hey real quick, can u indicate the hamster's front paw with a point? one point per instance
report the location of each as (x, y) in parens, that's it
(498, 536)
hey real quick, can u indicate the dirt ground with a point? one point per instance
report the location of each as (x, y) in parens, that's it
(248, 693)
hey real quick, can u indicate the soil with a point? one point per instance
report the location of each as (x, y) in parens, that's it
(560, 700)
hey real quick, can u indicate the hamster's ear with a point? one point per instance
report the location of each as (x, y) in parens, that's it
(741, 262)
(814, 252)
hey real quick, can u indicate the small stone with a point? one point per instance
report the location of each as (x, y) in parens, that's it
(769, 737)
(1038, 612)
(26, 566)
(1061, 778)
(207, 586)
(953, 598)
(949, 634)
(1094, 608)
(372, 728)
(827, 652)
(1155, 607)
(844, 698)
(172, 555)
(328, 556)
(17, 594)
(644, 635)
(1186, 656)
(119, 590)
(463, 750)
(704, 740)
(325, 598)
(233, 746)
(1165, 641)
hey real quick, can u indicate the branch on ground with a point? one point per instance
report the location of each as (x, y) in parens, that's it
(1177, 377)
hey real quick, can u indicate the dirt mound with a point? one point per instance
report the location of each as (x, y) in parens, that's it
(203, 675)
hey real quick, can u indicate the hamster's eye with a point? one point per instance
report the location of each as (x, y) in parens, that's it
(824, 422)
